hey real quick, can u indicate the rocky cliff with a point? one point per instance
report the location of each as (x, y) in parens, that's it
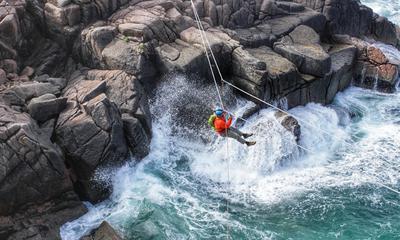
(75, 77)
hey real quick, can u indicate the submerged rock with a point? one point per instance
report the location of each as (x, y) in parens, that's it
(290, 123)
(103, 232)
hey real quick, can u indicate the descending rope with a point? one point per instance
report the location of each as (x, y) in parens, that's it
(204, 39)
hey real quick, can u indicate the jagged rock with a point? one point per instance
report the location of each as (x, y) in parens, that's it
(42, 221)
(302, 48)
(181, 57)
(352, 18)
(376, 56)
(128, 57)
(282, 74)
(290, 6)
(290, 123)
(10, 31)
(322, 90)
(27, 71)
(90, 131)
(34, 183)
(249, 72)
(9, 65)
(136, 136)
(343, 60)
(385, 31)
(46, 107)
(103, 232)
(25, 92)
(126, 91)
(3, 76)
(47, 58)
(41, 172)
(373, 69)
(187, 54)
(92, 43)
(269, 8)
(59, 82)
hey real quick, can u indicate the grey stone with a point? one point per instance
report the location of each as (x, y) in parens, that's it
(9, 65)
(46, 107)
(3, 76)
(90, 132)
(103, 232)
(28, 91)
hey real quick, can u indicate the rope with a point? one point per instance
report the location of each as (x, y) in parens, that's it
(203, 39)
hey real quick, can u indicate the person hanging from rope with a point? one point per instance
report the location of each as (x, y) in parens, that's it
(221, 122)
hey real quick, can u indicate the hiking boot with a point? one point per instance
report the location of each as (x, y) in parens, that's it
(247, 135)
(250, 143)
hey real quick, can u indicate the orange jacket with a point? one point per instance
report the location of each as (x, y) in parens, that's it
(220, 124)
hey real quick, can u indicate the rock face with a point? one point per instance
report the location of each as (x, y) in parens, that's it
(290, 123)
(302, 48)
(103, 232)
(354, 19)
(373, 69)
(75, 75)
(90, 131)
(32, 173)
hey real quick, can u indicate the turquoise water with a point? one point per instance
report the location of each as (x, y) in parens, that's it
(195, 186)
(387, 8)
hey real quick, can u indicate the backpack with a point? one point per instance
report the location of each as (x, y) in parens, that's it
(211, 120)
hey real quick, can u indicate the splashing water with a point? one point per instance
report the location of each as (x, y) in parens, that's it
(386, 8)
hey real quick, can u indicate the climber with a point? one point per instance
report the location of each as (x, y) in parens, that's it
(221, 122)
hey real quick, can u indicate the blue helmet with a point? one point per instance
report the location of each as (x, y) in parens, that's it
(219, 112)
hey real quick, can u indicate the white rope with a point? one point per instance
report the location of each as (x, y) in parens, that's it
(203, 39)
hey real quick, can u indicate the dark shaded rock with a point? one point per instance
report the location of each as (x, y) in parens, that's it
(92, 42)
(343, 60)
(36, 194)
(41, 173)
(289, 123)
(103, 232)
(249, 72)
(301, 47)
(27, 71)
(90, 131)
(282, 74)
(46, 107)
(138, 140)
(3, 76)
(42, 221)
(20, 94)
(128, 94)
(9, 65)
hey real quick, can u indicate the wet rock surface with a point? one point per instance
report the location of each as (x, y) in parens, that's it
(75, 76)
(103, 232)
